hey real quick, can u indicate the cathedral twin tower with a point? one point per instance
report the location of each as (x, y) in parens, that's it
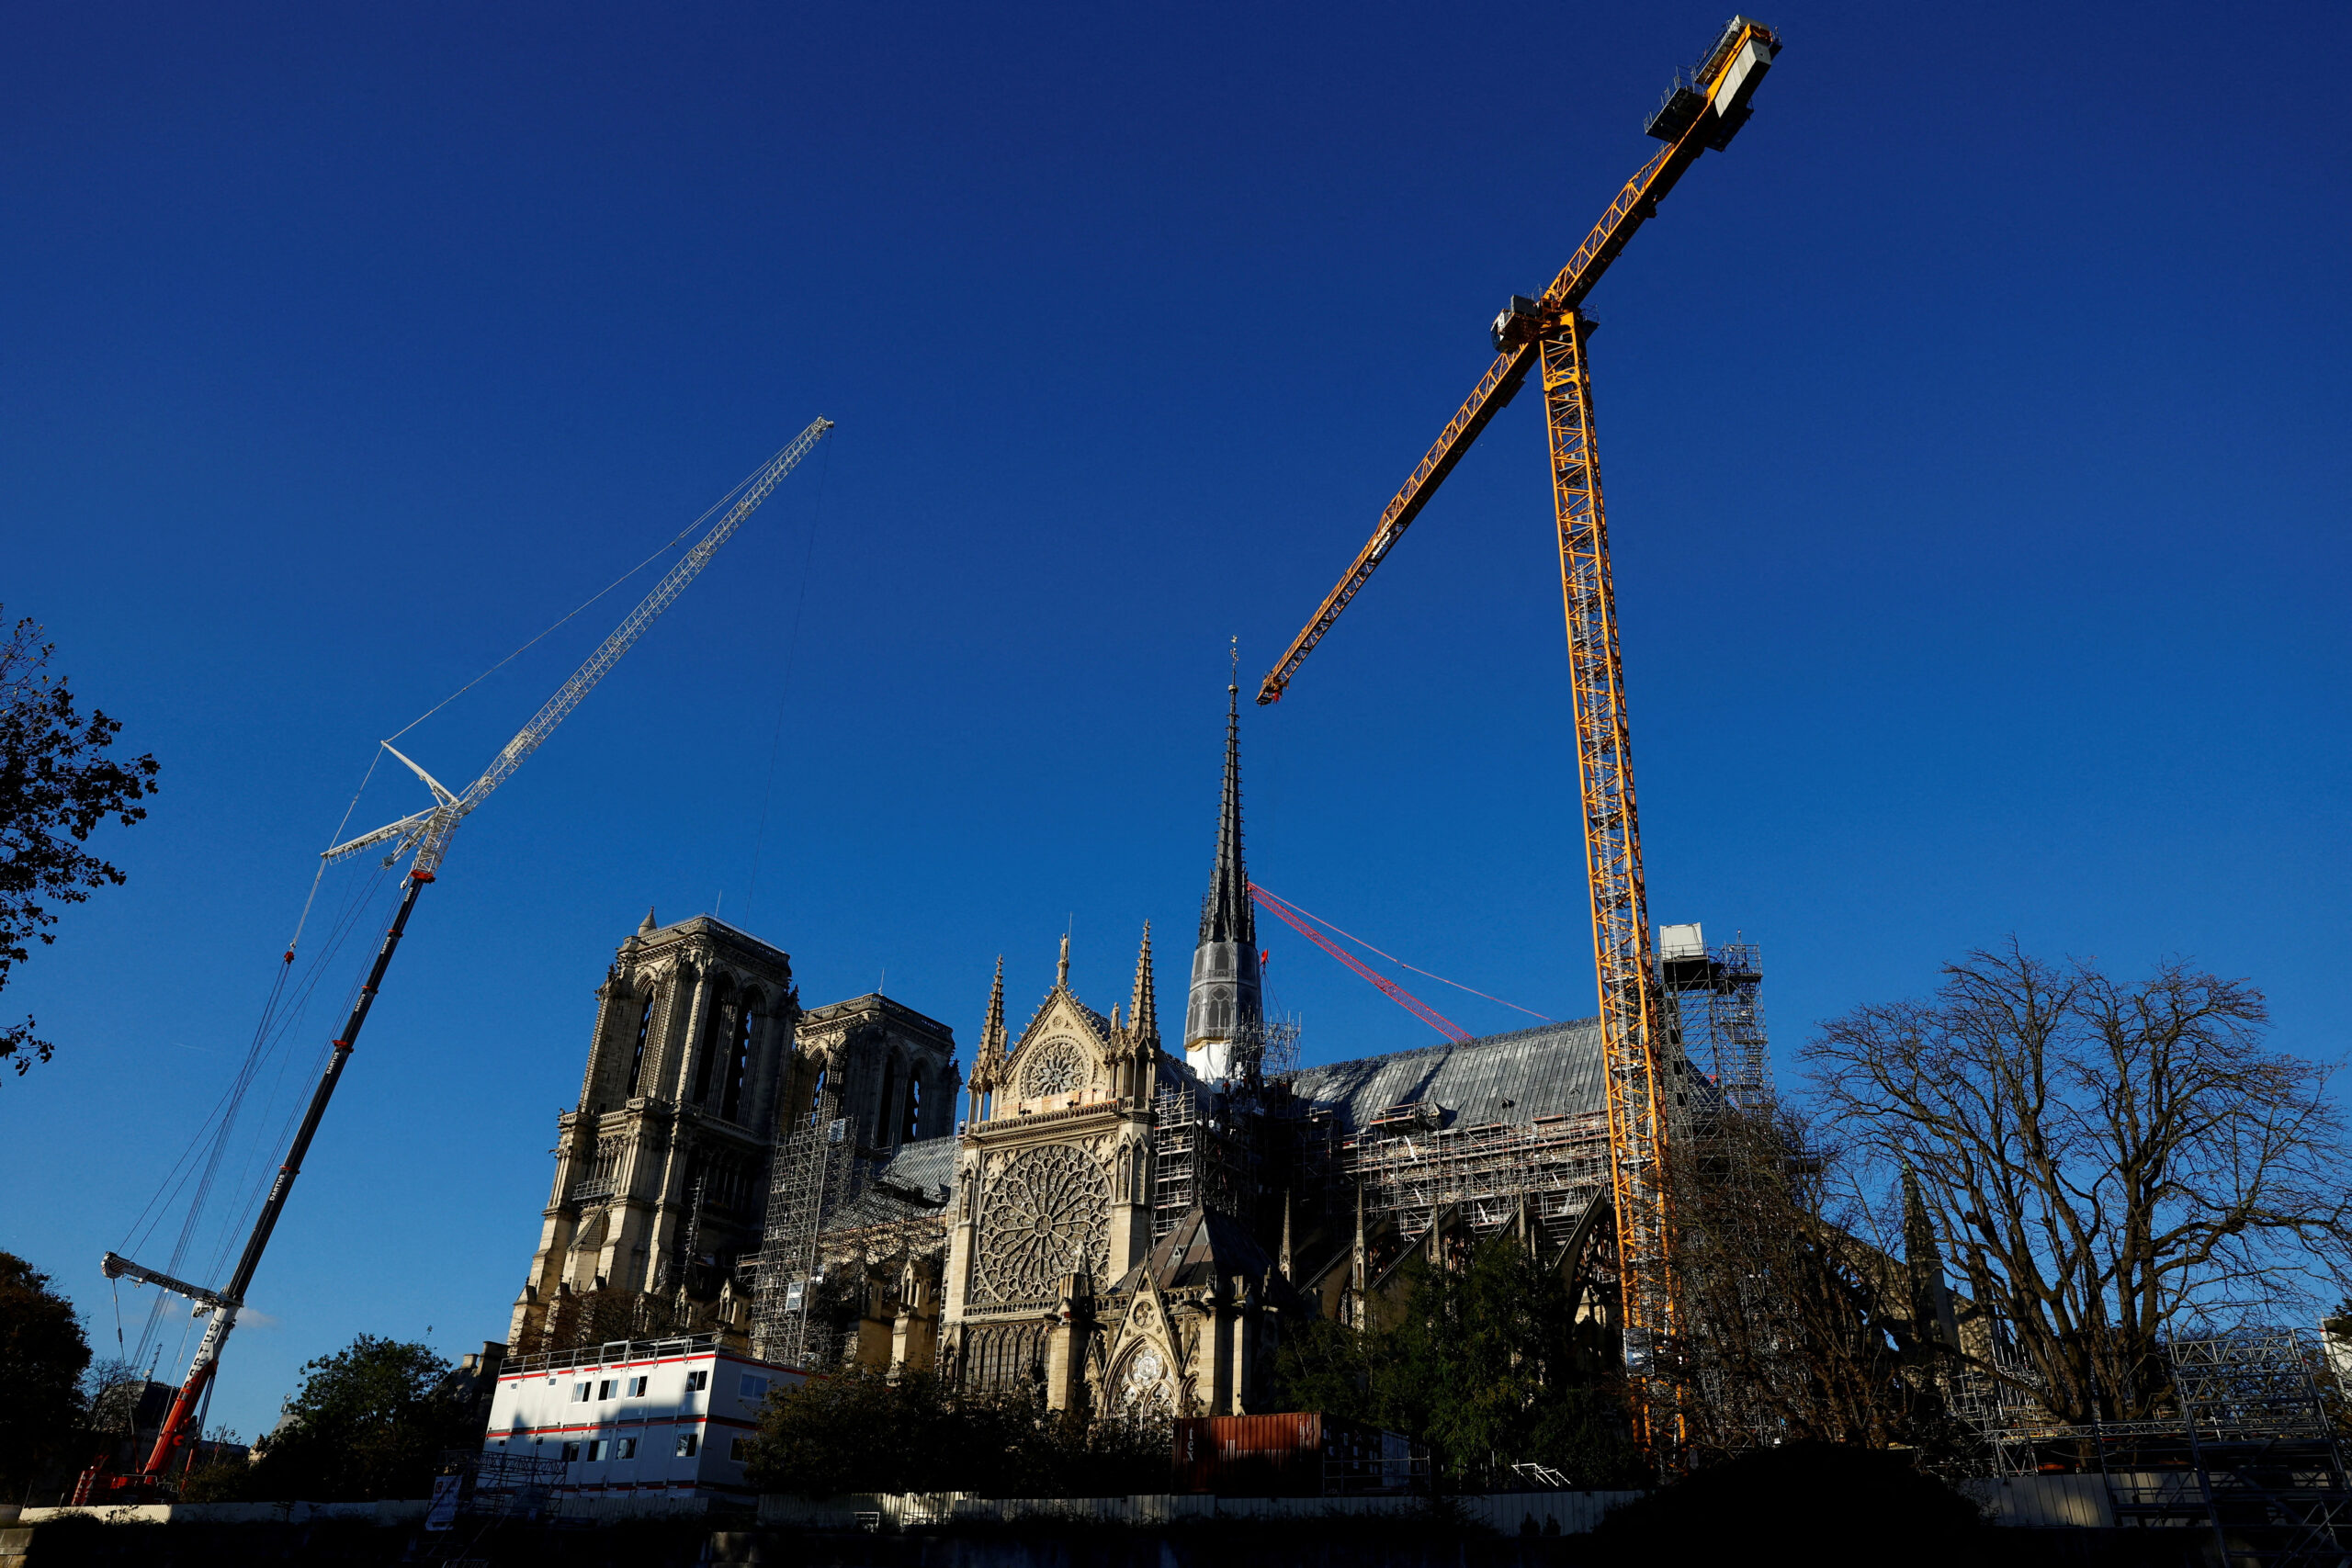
(703, 1059)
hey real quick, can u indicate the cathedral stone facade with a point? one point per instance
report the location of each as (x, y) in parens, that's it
(1109, 1225)
(701, 1057)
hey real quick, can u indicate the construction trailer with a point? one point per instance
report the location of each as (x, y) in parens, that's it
(638, 1419)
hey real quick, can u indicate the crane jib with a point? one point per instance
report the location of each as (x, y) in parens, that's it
(428, 833)
(1734, 68)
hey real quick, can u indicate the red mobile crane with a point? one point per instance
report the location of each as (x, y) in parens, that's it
(427, 833)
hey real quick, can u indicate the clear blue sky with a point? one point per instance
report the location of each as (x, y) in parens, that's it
(1974, 429)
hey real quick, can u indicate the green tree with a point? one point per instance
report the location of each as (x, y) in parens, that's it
(42, 1356)
(369, 1422)
(1477, 1360)
(857, 1432)
(860, 1432)
(57, 783)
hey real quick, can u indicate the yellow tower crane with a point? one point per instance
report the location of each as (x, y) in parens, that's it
(1551, 330)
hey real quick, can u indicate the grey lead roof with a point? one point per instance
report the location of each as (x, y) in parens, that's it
(1553, 1069)
(926, 1166)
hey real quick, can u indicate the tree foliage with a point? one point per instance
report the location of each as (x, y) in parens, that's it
(2106, 1160)
(1478, 1360)
(370, 1422)
(57, 783)
(861, 1432)
(42, 1356)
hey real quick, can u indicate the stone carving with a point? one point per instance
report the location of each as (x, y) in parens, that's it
(1046, 1215)
(1141, 1386)
(1055, 1067)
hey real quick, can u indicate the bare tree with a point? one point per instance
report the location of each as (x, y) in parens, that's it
(1797, 1328)
(2106, 1160)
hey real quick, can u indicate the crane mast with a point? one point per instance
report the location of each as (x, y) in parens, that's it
(1551, 332)
(427, 833)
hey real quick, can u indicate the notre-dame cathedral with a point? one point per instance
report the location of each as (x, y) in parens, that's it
(1101, 1219)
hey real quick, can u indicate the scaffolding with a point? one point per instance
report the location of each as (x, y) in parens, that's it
(2249, 1450)
(1412, 1169)
(1711, 1010)
(478, 1491)
(812, 1175)
(1201, 1153)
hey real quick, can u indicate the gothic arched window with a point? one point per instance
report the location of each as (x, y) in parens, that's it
(715, 1021)
(740, 1059)
(644, 1034)
(882, 1112)
(911, 1125)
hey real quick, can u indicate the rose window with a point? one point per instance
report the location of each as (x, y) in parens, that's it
(1143, 1382)
(1048, 1215)
(1055, 1067)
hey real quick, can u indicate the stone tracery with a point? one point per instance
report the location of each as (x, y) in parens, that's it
(1045, 1216)
(1056, 1066)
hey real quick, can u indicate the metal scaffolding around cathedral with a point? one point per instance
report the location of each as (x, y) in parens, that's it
(814, 1166)
(1115, 1221)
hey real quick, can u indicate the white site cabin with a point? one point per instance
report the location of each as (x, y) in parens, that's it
(644, 1420)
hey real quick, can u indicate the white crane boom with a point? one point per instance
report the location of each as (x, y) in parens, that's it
(429, 830)
(427, 833)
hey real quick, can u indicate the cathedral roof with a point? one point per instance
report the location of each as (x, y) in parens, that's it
(914, 1183)
(1205, 1246)
(1553, 1069)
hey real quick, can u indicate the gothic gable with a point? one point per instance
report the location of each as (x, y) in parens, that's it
(1146, 1370)
(1063, 1059)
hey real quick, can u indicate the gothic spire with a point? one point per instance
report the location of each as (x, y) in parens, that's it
(1143, 1003)
(1222, 1011)
(1932, 1308)
(1225, 914)
(991, 1054)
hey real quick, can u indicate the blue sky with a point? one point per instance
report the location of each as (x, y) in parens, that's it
(1974, 433)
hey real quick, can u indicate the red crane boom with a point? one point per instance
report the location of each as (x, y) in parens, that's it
(1296, 920)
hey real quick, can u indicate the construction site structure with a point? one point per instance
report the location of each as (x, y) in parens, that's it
(1207, 1148)
(1712, 1004)
(2250, 1450)
(1645, 1080)
(815, 1170)
(1552, 1172)
(477, 1493)
(426, 836)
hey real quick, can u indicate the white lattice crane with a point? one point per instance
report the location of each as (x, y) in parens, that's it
(427, 833)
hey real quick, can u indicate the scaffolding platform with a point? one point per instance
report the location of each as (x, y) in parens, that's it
(812, 1175)
(2249, 1451)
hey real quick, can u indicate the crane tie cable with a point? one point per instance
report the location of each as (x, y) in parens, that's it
(1414, 967)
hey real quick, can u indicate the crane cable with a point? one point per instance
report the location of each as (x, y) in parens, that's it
(1414, 967)
(784, 685)
(278, 1017)
(657, 555)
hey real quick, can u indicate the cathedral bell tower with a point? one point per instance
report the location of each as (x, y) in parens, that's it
(1224, 1015)
(661, 1174)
